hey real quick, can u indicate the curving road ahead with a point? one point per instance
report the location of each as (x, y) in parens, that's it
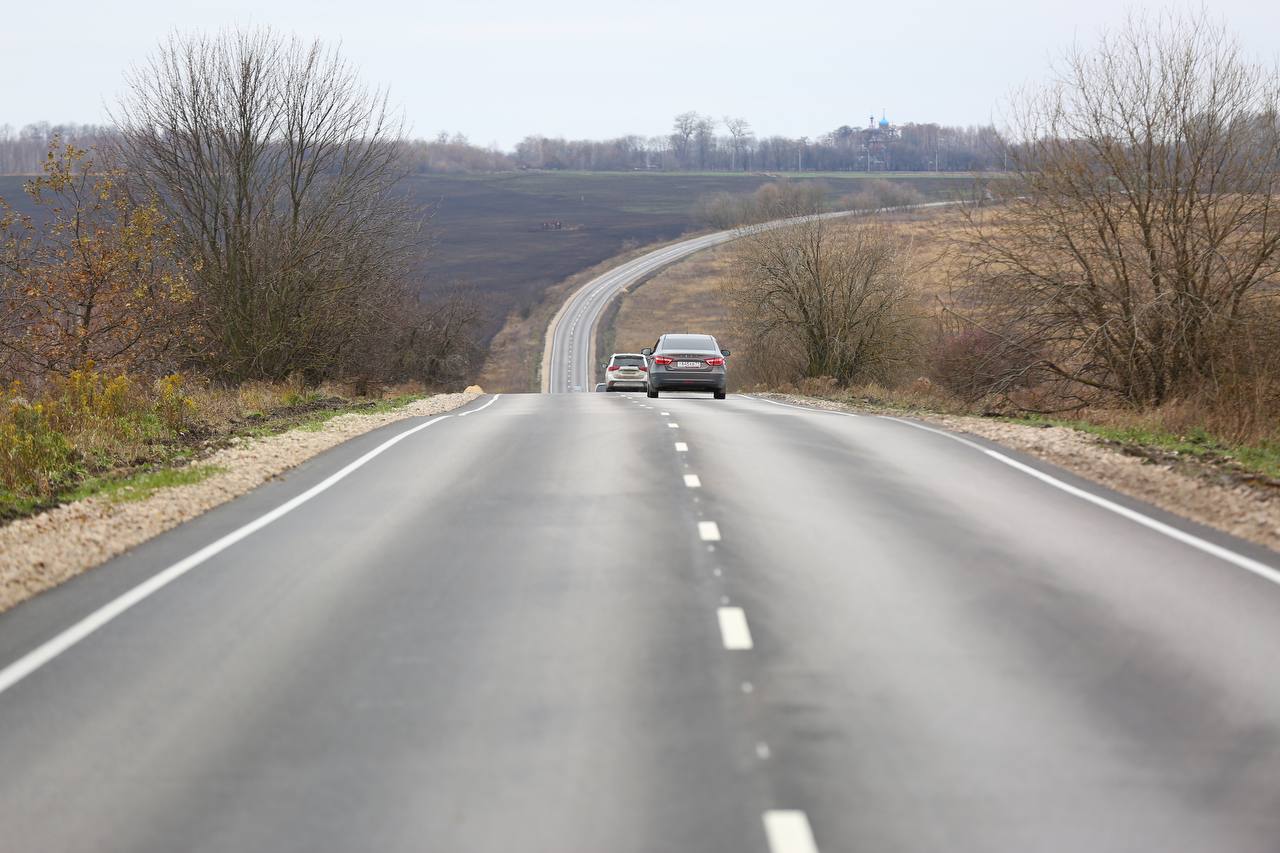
(568, 356)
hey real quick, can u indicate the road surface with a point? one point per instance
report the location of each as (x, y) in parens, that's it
(589, 622)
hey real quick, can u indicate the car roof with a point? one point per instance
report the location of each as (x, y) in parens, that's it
(633, 354)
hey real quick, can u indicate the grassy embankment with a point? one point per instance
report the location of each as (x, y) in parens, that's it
(91, 434)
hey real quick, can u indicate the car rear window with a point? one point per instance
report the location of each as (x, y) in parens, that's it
(689, 342)
(629, 360)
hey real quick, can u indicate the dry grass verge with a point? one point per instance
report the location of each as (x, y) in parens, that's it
(1217, 490)
(41, 552)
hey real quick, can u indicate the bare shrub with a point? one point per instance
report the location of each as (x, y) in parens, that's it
(882, 195)
(278, 168)
(817, 300)
(1140, 222)
(774, 200)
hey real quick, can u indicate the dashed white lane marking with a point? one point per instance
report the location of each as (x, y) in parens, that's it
(762, 751)
(747, 687)
(733, 628)
(666, 413)
(717, 572)
(788, 831)
(692, 481)
(681, 447)
(673, 425)
(709, 531)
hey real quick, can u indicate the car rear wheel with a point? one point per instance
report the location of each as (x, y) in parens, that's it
(719, 395)
(651, 393)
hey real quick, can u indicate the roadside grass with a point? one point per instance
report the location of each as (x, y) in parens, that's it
(122, 438)
(1146, 436)
(140, 486)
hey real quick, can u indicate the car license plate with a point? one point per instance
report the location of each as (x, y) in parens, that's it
(687, 364)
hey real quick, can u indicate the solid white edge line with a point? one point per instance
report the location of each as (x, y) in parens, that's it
(50, 649)
(788, 831)
(709, 531)
(692, 481)
(482, 408)
(1249, 564)
(734, 632)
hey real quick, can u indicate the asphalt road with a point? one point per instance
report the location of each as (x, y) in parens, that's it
(526, 628)
(568, 361)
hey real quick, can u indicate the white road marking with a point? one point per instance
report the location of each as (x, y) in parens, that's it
(733, 628)
(681, 447)
(482, 408)
(692, 481)
(788, 831)
(748, 687)
(717, 572)
(762, 750)
(50, 649)
(724, 599)
(1249, 564)
(665, 413)
(673, 425)
(709, 531)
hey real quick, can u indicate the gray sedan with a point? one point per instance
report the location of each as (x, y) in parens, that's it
(683, 362)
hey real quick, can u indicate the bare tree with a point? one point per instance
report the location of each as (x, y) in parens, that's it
(822, 300)
(278, 168)
(683, 130)
(1141, 220)
(739, 135)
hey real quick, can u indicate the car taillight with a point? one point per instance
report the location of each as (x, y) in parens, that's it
(613, 367)
(662, 359)
(645, 369)
(716, 361)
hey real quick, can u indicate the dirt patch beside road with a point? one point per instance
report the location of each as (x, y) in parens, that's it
(41, 552)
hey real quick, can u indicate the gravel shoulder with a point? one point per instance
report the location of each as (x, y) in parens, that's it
(1199, 492)
(40, 552)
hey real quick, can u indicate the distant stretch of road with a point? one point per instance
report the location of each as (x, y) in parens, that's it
(569, 356)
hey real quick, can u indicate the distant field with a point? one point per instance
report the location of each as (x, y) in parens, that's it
(487, 229)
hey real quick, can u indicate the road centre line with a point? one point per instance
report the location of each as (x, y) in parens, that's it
(69, 637)
(681, 447)
(734, 632)
(692, 481)
(1249, 564)
(709, 531)
(788, 831)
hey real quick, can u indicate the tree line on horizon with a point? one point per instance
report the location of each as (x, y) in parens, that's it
(696, 143)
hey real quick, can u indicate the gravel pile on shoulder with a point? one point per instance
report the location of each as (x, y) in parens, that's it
(41, 552)
(1237, 509)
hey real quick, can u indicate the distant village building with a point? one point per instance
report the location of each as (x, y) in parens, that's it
(875, 144)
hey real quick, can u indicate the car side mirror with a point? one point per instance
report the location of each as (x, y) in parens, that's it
(647, 351)
(725, 353)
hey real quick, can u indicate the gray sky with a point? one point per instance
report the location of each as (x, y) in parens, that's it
(503, 69)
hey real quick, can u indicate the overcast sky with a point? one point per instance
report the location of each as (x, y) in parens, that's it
(498, 71)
